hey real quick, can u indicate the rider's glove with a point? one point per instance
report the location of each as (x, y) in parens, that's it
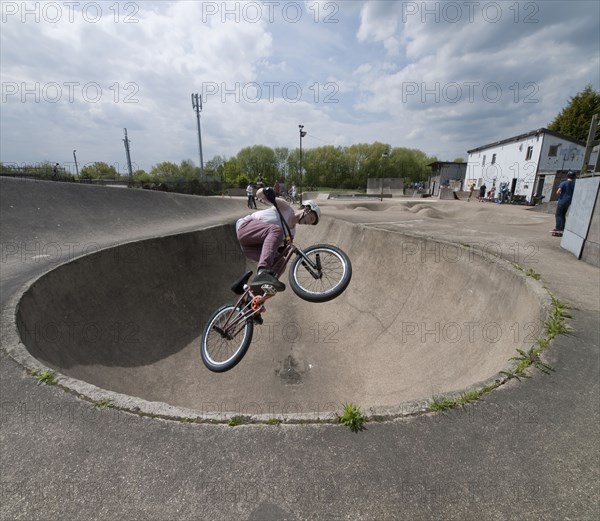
(269, 193)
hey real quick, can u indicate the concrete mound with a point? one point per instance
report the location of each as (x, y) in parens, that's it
(420, 318)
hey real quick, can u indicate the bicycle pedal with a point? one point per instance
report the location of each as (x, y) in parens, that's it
(268, 289)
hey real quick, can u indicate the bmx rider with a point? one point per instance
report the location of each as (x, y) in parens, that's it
(261, 233)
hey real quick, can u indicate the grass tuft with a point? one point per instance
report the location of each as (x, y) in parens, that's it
(44, 377)
(352, 417)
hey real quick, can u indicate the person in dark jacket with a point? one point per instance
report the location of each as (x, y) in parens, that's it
(565, 195)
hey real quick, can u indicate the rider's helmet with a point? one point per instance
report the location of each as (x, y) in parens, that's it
(313, 207)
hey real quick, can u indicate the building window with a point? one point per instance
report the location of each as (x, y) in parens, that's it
(493, 159)
(529, 153)
(483, 162)
(553, 152)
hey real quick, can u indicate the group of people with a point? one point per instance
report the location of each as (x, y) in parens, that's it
(251, 192)
(482, 193)
(565, 196)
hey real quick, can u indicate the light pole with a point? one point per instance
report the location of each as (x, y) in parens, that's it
(302, 134)
(197, 106)
(76, 167)
(128, 155)
(384, 156)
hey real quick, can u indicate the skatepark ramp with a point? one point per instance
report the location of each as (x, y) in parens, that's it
(421, 318)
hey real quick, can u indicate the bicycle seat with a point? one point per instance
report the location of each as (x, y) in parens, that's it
(238, 286)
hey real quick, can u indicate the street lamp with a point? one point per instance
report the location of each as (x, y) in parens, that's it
(383, 156)
(197, 106)
(302, 134)
(76, 167)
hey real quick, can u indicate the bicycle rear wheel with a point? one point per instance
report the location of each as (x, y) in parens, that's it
(324, 277)
(225, 339)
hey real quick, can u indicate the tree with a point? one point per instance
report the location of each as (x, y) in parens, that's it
(258, 160)
(188, 170)
(214, 167)
(232, 174)
(99, 170)
(165, 170)
(141, 176)
(281, 159)
(574, 120)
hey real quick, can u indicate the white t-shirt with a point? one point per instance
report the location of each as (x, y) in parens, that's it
(270, 216)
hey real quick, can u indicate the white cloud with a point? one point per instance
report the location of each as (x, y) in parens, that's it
(405, 73)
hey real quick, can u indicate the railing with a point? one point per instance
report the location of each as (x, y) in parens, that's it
(28, 174)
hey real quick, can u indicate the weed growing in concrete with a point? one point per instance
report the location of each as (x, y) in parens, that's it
(235, 421)
(44, 377)
(103, 404)
(529, 272)
(441, 403)
(352, 417)
(554, 325)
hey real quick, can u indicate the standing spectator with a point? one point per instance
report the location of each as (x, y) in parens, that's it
(565, 195)
(471, 190)
(293, 192)
(250, 194)
(260, 183)
(482, 190)
(55, 171)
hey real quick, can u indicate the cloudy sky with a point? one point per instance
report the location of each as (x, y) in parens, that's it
(440, 76)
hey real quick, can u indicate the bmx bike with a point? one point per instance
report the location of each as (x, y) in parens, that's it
(289, 198)
(318, 273)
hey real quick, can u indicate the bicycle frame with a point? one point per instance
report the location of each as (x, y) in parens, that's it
(251, 304)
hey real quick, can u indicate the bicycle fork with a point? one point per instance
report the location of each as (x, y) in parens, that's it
(314, 268)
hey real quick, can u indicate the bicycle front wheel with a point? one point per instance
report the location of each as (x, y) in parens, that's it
(225, 339)
(322, 274)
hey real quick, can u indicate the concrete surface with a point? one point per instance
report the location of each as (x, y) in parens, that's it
(529, 450)
(129, 319)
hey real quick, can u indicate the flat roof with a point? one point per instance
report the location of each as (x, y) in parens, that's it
(528, 134)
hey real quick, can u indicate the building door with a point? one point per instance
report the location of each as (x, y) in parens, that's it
(539, 189)
(513, 186)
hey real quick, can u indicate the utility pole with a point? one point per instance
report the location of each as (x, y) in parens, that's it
(129, 169)
(76, 167)
(197, 106)
(591, 143)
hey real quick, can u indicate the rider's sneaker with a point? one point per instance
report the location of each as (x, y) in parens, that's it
(267, 277)
(258, 319)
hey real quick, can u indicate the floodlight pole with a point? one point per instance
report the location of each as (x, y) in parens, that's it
(76, 167)
(302, 134)
(383, 156)
(129, 169)
(197, 106)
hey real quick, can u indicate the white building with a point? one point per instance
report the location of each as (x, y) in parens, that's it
(531, 164)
